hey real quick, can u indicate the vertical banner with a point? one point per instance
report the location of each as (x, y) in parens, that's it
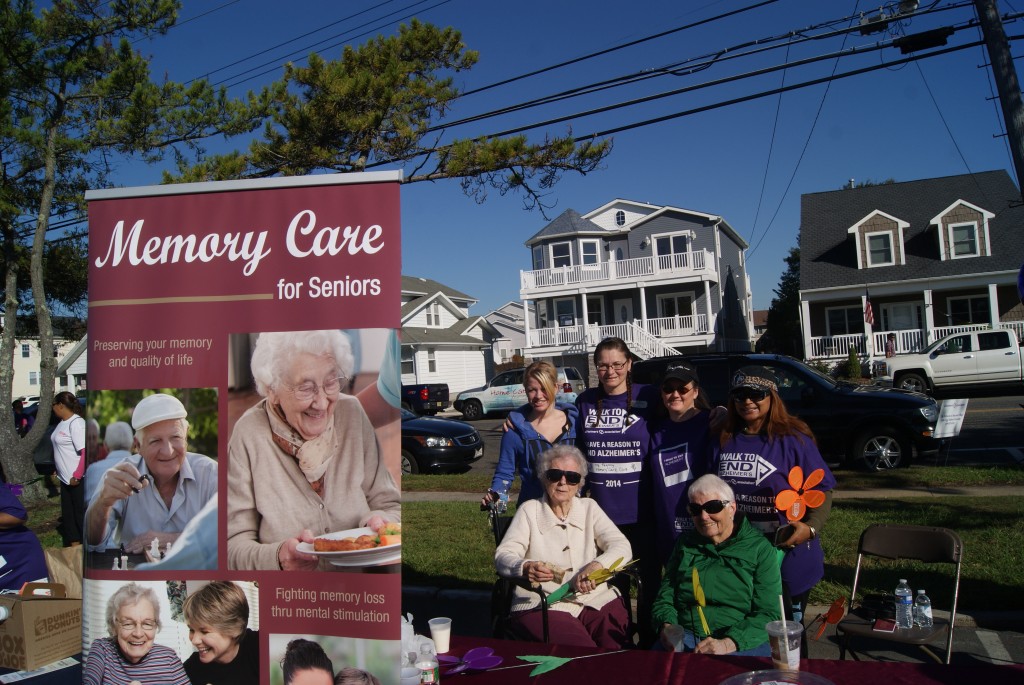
(246, 519)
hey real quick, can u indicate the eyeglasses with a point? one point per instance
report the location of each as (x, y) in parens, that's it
(571, 477)
(309, 390)
(670, 388)
(618, 366)
(744, 394)
(713, 506)
(132, 626)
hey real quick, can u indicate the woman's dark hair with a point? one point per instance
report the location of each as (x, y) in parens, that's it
(619, 345)
(303, 655)
(68, 401)
(779, 422)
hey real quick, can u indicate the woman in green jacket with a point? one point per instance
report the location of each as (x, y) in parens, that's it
(735, 568)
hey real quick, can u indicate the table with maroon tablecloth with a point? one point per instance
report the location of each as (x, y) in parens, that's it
(640, 666)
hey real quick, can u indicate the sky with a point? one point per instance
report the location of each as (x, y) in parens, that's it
(748, 162)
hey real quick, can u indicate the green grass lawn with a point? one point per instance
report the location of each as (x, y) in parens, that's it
(450, 545)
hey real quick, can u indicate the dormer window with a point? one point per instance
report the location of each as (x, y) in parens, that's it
(963, 238)
(560, 255)
(433, 314)
(620, 218)
(880, 249)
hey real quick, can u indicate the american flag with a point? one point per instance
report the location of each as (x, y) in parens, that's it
(869, 313)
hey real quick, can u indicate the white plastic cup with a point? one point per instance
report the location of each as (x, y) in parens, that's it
(440, 633)
(410, 675)
(784, 638)
(674, 635)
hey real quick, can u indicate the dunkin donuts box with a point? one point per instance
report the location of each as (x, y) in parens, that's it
(42, 625)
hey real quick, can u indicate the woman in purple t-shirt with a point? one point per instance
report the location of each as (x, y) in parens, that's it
(759, 446)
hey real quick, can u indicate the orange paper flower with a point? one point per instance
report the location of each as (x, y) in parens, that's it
(794, 502)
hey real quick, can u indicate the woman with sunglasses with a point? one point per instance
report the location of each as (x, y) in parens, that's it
(760, 445)
(679, 452)
(564, 538)
(736, 571)
(534, 428)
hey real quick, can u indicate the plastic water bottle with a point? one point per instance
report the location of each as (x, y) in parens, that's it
(904, 605)
(430, 669)
(923, 610)
(502, 505)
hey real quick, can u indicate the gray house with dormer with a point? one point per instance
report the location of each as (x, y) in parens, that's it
(665, 279)
(933, 257)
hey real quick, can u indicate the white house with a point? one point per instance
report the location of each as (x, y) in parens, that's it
(441, 342)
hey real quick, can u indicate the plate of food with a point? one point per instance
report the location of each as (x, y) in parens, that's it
(358, 546)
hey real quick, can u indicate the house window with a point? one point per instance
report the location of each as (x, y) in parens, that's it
(967, 310)
(33, 378)
(560, 255)
(880, 249)
(675, 305)
(26, 351)
(565, 312)
(434, 314)
(408, 368)
(595, 310)
(671, 250)
(431, 361)
(620, 218)
(963, 240)
(844, 320)
(589, 251)
(538, 257)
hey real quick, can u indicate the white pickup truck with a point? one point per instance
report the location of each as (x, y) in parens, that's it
(985, 357)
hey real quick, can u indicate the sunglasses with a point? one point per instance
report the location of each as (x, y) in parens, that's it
(571, 477)
(745, 394)
(714, 506)
(670, 388)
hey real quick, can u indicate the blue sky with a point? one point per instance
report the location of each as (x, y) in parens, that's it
(747, 162)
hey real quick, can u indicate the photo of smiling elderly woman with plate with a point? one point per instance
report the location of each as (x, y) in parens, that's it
(303, 461)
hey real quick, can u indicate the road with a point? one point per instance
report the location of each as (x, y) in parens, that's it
(992, 433)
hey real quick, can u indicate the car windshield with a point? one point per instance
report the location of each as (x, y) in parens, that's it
(406, 415)
(828, 380)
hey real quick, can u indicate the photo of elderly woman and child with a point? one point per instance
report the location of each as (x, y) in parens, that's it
(686, 489)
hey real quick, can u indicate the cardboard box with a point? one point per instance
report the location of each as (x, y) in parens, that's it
(42, 626)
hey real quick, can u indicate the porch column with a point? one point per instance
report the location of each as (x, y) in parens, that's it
(929, 317)
(993, 305)
(869, 330)
(586, 317)
(707, 305)
(526, 327)
(643, 307)
(805, 326)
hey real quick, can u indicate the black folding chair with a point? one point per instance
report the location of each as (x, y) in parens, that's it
(895, 542)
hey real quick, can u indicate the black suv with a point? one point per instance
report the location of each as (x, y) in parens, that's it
(878, 427)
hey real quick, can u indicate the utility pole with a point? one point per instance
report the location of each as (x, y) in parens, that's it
(1006, 81)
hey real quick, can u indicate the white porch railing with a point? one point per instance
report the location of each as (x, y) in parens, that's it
(626, 269)
(582, 339)
(836, 346)
(670, 326)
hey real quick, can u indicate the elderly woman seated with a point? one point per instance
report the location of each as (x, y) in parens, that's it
(129, 654)
(562, 538)
(304, 460)
(737, 570)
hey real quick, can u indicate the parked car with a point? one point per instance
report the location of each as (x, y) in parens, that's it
(29, 401)
(870, 425)
(975, 358)
(425, 398)
(505, 392)
(434, 445)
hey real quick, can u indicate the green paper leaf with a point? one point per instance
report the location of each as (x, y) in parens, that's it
(558, 594)
(545, 663)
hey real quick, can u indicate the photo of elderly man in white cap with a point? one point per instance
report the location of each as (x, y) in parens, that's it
(156, 492)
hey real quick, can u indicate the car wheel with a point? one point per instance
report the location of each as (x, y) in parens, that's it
(409, 464)
(472, 410)
(881, 449)
(913, 381)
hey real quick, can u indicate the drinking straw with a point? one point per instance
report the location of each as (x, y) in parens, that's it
(784, 644)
